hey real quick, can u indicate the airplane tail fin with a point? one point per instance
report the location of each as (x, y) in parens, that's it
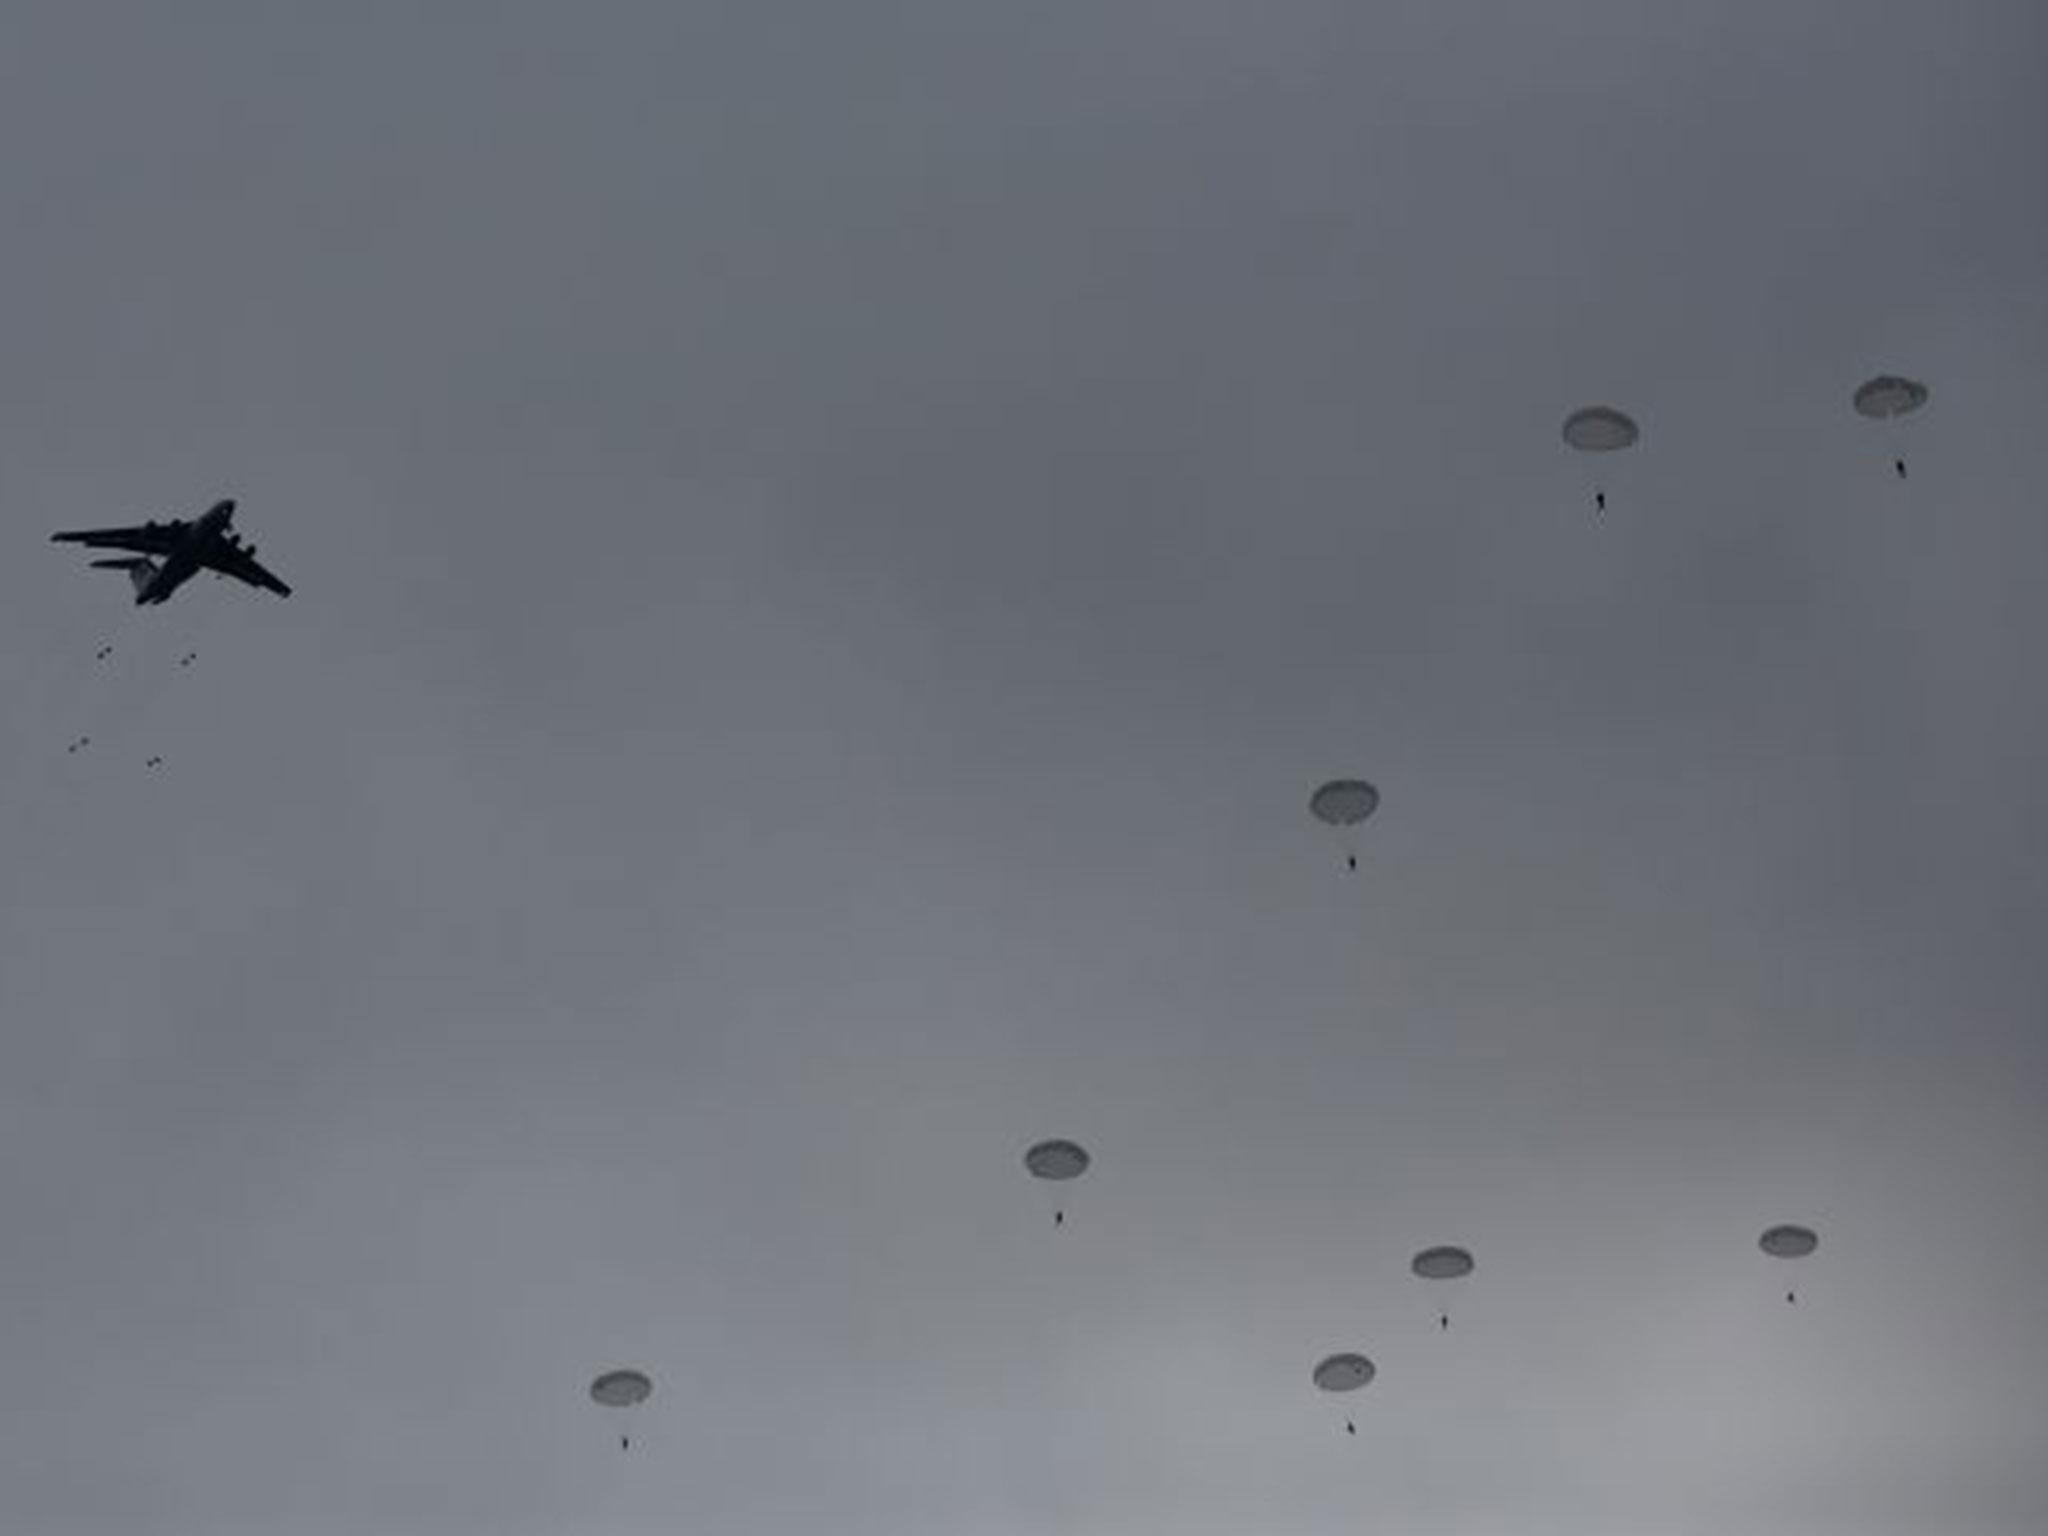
(141, 571)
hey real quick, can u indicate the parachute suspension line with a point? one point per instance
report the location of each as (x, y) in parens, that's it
(1354, 847)
(1894, 446)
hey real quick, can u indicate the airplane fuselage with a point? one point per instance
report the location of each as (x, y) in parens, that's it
(184, 562)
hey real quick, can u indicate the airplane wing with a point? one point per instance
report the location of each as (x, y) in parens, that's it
(233, 560)
(148, 539)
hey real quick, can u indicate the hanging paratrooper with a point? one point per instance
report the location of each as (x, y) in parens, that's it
(1057, 1162)
(1444, 1265)
(1603, 430)
(1344, 1373)
(1345, 804)
(622, 1391)
(1789, 1242)
(1887, 398)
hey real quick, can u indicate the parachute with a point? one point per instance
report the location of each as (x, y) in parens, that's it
(1600, 429)
(1344, 1373)
(1443, 1263)
(1344, 804)
(1886, 398)
(1789, 1242)
(1057, 1162)
(623, 1390)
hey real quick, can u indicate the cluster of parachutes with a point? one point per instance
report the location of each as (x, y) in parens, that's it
(1346, 1371)
(1061, 1161)
(1602, 429)
(1349, 1370)
(1345, 805)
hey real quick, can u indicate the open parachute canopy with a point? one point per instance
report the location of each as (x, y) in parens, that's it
(1057, 1160)
(1344, 1373)
(621, 1389)
(1789, 1242)
(1343, 802)
(1887, 396)
(1600, 429)
(1444, 1263)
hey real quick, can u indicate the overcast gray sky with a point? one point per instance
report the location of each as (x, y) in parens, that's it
(832, 543)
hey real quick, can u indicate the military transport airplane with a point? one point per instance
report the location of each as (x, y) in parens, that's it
(167, 555)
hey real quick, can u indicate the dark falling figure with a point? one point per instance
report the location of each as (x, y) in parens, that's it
(1059, 1218)
(1350, 1428)
(1899, 467)
(1351, 861)
(1444, 1322)
(1600, 500)
(1791, 1299)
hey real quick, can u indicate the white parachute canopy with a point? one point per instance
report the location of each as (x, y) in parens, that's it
(1600, 429)
(1889, 395)
(624, 1391)
(1886, 398)
(1343, 1373)
(1345, 804)
(1057, 1162)
(1443, 1263)
(1789, 1241)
